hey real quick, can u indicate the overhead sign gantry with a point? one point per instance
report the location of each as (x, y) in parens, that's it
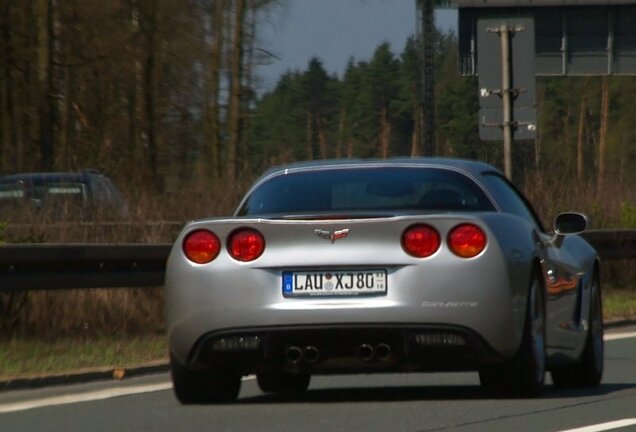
(506, 43)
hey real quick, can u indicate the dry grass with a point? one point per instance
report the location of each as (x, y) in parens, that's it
(29, 358)
(619, 304)
(553, 193)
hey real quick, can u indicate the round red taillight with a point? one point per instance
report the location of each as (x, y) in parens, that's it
(421, 241)
(246, 244)
(201, 246)
(467, 240)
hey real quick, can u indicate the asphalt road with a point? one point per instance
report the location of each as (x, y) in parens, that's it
(414, 402)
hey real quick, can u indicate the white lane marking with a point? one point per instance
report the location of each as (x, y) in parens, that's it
(83, 397)
(91, 396)
(605, 426)
(617, 336)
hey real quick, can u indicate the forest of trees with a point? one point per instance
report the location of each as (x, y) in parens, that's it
(168, 92)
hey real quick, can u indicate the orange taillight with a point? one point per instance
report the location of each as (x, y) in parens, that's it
(246, 244)
(467, 240)
(420, 241)
(201, 246)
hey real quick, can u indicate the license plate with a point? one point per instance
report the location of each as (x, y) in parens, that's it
(334, 283)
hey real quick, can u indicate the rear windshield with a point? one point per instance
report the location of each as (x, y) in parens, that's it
(366, 189)
(58, 197)
(50, 191)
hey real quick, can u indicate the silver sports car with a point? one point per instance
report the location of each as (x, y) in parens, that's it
(399, 265)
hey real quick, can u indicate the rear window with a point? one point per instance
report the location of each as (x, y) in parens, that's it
(366, 189)
(21, 199)
(46, 191)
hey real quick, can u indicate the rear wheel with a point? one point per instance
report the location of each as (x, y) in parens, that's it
(588, 370)
(203, 386)
(524, 374)
(282, 382)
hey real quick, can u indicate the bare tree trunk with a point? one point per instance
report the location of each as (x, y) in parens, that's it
(248, 79)
(341, 126)
(8, 143)
(66, 156)
(309, 134)
(537, 149)
(602, 146)
(427, 24)
(46, 111)
(566, 127)
(134, 90)
(385, 132)
(216, 64)
(322, 138)
(416, 137)
(27, 112)
(149, 29)
(581, 140)
(236, 77)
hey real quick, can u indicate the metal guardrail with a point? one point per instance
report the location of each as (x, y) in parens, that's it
(613, 244)
(56, 266)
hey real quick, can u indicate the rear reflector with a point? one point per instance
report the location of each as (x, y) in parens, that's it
(420, 241)
(201, 246)
(238, 343)
(439, 339)
(467, 240)
(246, 244)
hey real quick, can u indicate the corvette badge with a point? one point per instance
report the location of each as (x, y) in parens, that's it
(333, 236)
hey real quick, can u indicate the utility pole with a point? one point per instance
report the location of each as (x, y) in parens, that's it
(507, 93)
(506, 96)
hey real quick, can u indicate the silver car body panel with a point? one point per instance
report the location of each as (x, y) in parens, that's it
(486, 294)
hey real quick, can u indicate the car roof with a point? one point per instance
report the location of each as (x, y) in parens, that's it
(472, 167)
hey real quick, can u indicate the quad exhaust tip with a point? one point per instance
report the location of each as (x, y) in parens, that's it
(382, 352)
(309, 354)
(293, 354)
(368, 353)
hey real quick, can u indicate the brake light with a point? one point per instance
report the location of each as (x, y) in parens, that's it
(246, 244)
(201, 246)
(420, 241)
(467, 240)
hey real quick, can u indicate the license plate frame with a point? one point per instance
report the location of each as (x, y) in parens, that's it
(334, 283)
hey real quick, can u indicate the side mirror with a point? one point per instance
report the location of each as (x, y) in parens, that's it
(570, 223)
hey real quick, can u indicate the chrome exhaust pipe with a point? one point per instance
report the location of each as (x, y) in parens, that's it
(293, 354)
(311, 354)
(366, 352)
(382, 351)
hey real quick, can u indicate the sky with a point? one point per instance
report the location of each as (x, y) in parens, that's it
(336, 30)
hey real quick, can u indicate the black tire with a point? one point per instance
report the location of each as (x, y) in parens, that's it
(524, 374)
(203, 386)
(588, 370)
(283, 383)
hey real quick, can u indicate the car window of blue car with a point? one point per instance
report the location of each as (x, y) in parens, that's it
(367, 189)
(509, 199)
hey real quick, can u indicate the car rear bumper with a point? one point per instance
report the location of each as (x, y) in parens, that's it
(344, 349)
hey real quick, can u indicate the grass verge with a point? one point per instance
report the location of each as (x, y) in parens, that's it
(36, 358)
(619, 304)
